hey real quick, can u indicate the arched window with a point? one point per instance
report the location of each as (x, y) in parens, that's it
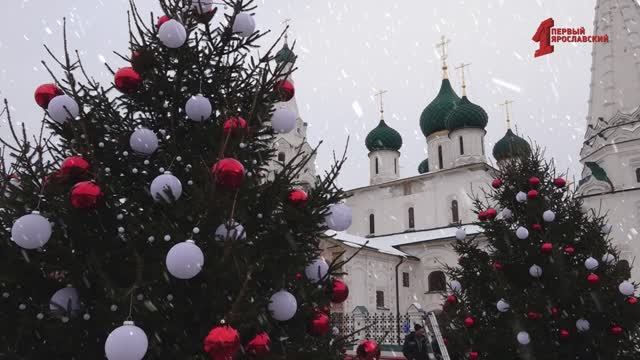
(454, 212)
(281, 156)
(395, 166)
(412, 223)
(372, 224)
(377, 165)
(482, 143)
(638, 174)
(461, 146)
(440, 157)
(437, 282)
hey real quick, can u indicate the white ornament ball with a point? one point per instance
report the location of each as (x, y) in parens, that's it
(317, 270)
(548, 216)
(283, 305)
(461, 234)
(65, 301)
(231, 231)
(202, 6)
(506, 214)
(626, 288)
(283, 121)
(521, 197)
(31, 231)
(522, 233)
(608, 259)
(128, 342)
(143, 141)
(583, 325)
(172, 34)
(591, 263)
(455, 286)
(535, 271)
(503, 306)
(523, 338)
(244, 24)
(606, 228)
(185, 260)
(339, 217)
(163, 183)
(198, 108)
(63, 108)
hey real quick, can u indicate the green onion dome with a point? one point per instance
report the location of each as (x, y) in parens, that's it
(435, 114)
(423, 168)
(511, 145)
(383, 137)
(467, 115)
(285, 55)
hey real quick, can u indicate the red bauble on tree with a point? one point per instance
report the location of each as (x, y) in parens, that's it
(491, 213)
(534, 181)
(469, 321)
(536, 227)
(452, 299)
(298, 197)
(319, 325)
(285, 90)
(496, 183)
(127, 80)
(546, 248)
(85, 195)
(74, 166)
(497, 265)
(161, 20)
(368, 350)
(222, 343)
(559, 182)
(632, 300)
(298, 276)
(339, 291)
(534, 315)
(616, 330)
(142, 60)
(235, 125)
(564, 334)
(474, 355)
(593, 279)
(569, 249)
(482, 216)
(555, 311)
(228, 173)
(45, 92)
(259, 345)
(532, 194)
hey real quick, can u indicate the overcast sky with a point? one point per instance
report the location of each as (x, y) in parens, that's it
(348, 50)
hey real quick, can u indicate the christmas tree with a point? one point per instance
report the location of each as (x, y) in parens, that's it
(145, 220)
(543, 280)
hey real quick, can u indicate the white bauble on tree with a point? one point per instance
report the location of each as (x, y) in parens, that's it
(608, 259)
(606, 228)
(523, 338)
(522, 233)
(65, 302)
(185, 260)
(31, 231)
(198, 108)
(283, 121)
(583, 325)
(244, 24)
(591, 263)
(63, 108)
(230, 230)
(143, 141)
(548, 216)
(172, 34)
(521, 197)
(506, 214)
(461, 234)
(166, 183)
(455, 286)
(127, 342)
(202, 6)
(626, 288)
(339, 217)
(503, 306)
(535, 271)
(317, 270)
(283, 305)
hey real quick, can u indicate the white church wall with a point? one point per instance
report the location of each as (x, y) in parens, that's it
(472, 146)
(383, 166)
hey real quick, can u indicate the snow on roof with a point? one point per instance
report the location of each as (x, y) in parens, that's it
(388, 243)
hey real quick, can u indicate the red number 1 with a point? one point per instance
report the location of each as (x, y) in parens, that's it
(543, 37)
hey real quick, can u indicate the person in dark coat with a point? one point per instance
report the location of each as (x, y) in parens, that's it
(416, 344)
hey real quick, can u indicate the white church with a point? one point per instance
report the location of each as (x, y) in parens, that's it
(403, 227)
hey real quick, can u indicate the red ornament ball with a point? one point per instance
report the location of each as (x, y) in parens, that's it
(497, 265)
(496, 183)
(452, 299)
(228, 173)
(564, 334)
(632, 300)
(554, 311)
(469, 321)
(569, 250)
(491, 213)
(536, 227)
(482, 216)
(235, 125)
(474, 355)
(319, 324)
(161, 20)
(298, 197)
(259, 345)
(85, 195)
(546, 248)
(285, 90)
(534, 181)
(127, 80)
(74, 166)
(339, 291)
(532, 194)
(222, 343)
(534, 315)
(142, 61)
(616, 330)
(559, 182)
(593, 279)
(298, 276)
(45, 92)
(368, 350)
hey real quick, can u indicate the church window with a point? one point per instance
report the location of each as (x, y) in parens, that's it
(412, 223)
(638, 174)
(437, 282)
(281, 156)
(377, 166)
(380, 299)
(395, 166)
(440, 166)
(461, 146)
(454, 212)
(482, 143)
(405, 279)
(372, 224)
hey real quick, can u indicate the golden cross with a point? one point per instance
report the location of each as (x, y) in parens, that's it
(443, 45)
(464, 84)
(379, 94)
(506, 106)
(286, 31)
